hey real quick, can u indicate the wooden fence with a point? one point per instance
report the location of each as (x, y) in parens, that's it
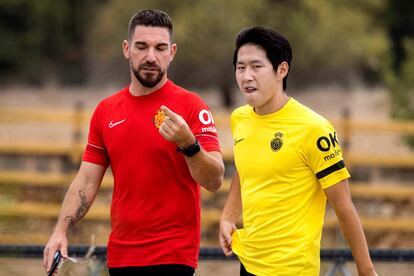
(76, 121)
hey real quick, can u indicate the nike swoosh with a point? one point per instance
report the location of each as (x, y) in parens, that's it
(112, 124)
(236, 141)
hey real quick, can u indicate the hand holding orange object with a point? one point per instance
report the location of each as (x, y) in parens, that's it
(159, 118)
(175, 129)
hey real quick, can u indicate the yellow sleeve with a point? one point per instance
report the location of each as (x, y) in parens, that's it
(325, 154)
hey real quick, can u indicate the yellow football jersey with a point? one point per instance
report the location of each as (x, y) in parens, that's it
(284, 160)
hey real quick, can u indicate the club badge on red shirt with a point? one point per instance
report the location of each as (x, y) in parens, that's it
(159, 118)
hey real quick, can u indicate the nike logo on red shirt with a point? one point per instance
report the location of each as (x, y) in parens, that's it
(112, 124)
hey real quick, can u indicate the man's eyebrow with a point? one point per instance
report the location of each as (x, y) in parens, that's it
(255, 61)
(145, 43)
(250, 61)
(140, 43)
(162, 44)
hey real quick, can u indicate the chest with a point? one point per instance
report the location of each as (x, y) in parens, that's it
(130, 128)
(268, 149)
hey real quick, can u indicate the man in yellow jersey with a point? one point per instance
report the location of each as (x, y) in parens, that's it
(288, 163)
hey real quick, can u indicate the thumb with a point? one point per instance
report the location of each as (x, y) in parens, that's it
(227, 237)
(227, 234)
(233, 228)
(64, 251)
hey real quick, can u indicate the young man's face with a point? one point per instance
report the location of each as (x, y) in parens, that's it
(149, 52)
(256, 77)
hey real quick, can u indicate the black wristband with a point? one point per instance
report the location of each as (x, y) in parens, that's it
(191, 150)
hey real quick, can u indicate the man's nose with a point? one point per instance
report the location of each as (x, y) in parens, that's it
(150, 57)
(247, 75)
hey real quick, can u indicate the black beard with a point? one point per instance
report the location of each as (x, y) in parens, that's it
(148, 80)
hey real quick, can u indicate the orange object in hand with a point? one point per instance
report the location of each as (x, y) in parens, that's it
(159, 118)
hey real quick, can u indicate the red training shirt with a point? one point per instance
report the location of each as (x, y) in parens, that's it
(155, 212)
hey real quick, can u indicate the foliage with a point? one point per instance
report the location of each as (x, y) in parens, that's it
(203, 30)
(400, 83)
(398, 70)
(76, 41)
(43, 40)
(333, 41)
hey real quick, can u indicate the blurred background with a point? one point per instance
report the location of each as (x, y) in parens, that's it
(353, 62)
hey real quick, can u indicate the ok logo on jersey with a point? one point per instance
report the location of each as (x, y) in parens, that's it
(205, 117)
(325, 143)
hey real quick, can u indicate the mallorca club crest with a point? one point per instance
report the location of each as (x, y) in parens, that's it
(159, 118)
(277, 142)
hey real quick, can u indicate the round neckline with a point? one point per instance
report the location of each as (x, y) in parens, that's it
(157, 93)
(277, 113)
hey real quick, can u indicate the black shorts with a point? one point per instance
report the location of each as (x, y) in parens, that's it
(155, 270)
(243, 271)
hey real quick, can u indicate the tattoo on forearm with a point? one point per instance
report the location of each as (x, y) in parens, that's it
(80, 212)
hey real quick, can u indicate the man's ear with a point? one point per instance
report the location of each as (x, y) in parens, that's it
(125, 48)
(173, 51)
(282, 70)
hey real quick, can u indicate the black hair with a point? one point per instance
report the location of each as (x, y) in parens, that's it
(149, 17)
(275, 45)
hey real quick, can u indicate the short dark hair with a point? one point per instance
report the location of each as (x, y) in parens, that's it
(275, 45)
(149, 17)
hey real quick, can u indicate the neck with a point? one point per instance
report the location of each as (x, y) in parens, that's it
(275, 104)
(137, 89)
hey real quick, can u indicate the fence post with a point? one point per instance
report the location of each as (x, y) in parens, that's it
(77, 133)
(339, 265)
(346, 130)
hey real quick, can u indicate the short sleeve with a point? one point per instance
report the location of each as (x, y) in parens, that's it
(201, 122)
(95, 151)
(324, 154)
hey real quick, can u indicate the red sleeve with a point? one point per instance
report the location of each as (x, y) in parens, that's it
(202, 125)
(95, 151)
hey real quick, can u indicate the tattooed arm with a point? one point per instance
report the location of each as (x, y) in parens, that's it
(84, 204)
(76, 204)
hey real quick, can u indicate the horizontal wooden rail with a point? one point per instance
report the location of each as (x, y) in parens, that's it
(359, 190)
(27, 238)
(35, 210)
(77, 119)
(382, 191)
(74, 151)
(383, 161)
(18, 115)
(221, 118)
(37, 179)
(43, 149)
(399, 127)
(375, 225)
(209, 217)
(97, 213)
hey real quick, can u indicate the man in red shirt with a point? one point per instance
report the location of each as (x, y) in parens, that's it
(160, 141)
